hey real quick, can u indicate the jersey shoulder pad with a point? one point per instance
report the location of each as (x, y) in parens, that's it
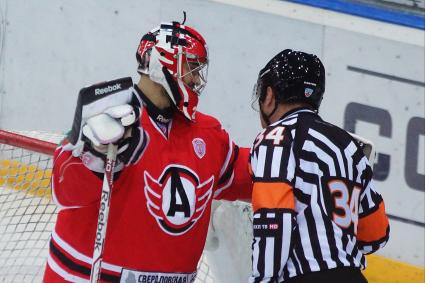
(337, 135)
(206, 121)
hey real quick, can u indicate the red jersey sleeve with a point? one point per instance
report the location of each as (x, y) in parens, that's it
(235, 180)
(73, 184)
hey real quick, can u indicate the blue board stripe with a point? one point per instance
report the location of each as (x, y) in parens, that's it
(368, 11)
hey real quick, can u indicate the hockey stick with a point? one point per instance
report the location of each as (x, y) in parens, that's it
(367, 146)
(102, 221)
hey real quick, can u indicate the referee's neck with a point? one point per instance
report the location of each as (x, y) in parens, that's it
(285, 109)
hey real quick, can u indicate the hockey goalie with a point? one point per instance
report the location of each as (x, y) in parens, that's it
(171, 162)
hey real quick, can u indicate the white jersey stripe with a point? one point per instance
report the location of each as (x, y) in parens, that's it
(350, 244)
(291, 165)
(69, 249)
(306, 190)
(288, 122)
(306, 242)
(271, 215)
(358, 258)
(224, 187)
(298, 262)
(291, 268)
(349, 151)
(261, 161)
(79, 256)
(69, 162)
(269, 257)
(360, 168)
(67, 276)
(286, 239)
(226, 162)
(313, 168)
(341, 254)
(332, 146)
(276, 161)
(368, 194)
(320, 227)
(323, 156)
(254, 162)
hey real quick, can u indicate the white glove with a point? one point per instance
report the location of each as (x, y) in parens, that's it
(105, 128)
(102, 130)
(125, 113)
(108, 113)
(94, 100)
(108, 127)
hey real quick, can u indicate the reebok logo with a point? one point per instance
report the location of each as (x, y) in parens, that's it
(108, 89)
(101, 220)
(162, 119)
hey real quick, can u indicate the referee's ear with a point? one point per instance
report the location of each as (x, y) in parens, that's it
(269, 100)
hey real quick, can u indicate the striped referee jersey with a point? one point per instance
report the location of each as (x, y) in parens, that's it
(314, 201)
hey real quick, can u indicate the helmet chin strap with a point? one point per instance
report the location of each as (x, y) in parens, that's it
(266, 118)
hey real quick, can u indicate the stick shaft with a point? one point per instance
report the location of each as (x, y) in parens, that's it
(102, 221)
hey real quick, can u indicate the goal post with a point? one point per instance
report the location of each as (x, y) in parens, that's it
(29, 143)
(28, 215)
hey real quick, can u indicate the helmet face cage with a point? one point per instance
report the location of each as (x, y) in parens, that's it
(176, 56)
(197, 73)
(259, 90)
(295, 77)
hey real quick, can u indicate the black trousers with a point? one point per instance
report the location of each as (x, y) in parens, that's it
(337, 275)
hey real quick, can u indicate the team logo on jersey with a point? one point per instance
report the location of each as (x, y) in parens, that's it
(177, 199)
(199, 147)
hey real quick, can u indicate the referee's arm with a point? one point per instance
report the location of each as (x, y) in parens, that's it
(373, 227)
(273, 223)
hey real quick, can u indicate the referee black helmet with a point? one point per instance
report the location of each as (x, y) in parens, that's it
(294, 76)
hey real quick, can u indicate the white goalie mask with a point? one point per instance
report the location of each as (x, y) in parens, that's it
(176, 57)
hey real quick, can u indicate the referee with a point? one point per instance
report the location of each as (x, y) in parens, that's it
(316, 209)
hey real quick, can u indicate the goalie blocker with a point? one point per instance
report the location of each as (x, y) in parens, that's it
(93, 100)
(107, 113)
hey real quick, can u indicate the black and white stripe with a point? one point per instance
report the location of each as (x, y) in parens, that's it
(269, 245)
(313, 154)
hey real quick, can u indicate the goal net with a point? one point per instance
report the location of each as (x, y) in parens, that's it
(27, 216)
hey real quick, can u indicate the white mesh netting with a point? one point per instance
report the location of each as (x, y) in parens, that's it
(26, 212)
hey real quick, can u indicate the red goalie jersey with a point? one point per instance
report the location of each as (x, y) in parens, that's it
(160, 207)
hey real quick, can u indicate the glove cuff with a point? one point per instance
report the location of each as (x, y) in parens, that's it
(135, 146)
(96, 163)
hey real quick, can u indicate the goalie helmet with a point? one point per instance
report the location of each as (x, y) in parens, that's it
(295, 77)
(176, 57)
